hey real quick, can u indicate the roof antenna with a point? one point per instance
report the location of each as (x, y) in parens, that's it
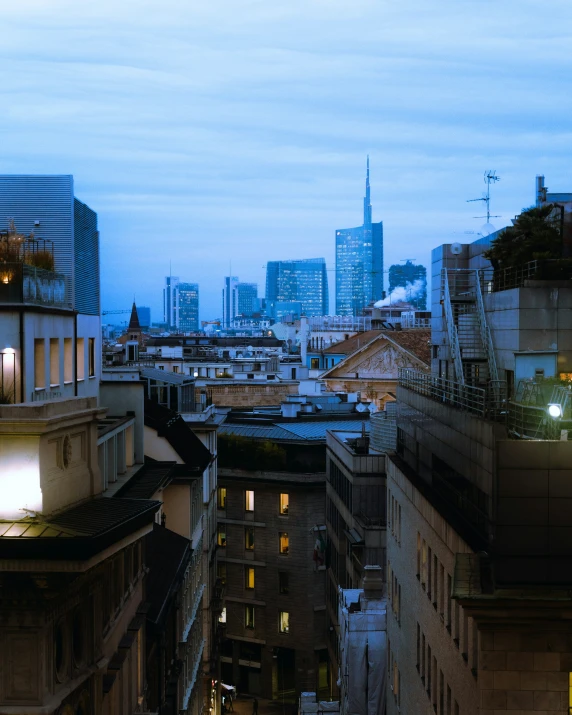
(490, 177)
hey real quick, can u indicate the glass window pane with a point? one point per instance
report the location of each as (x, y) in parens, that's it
(249, 500)
(284, 542)
(221, 497)
(284, 621)
(249, 576)
(249, 538)
(284, 502)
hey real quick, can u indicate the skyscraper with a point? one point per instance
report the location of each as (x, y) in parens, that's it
(171, 301)
(406, 276)
(304, 280)
(144, 315)
(237, 299)
(188, 315)
(359, 262)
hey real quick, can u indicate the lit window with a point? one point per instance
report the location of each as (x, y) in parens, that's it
(249, 576)
(284, 501)
(249, 500)
(91, 356)
(249, 538)
(80, 358)
(249, 616)
(39, 363)
(221, 536)
(284, 622)
(284, 542)
(221, 498)
(222, 617)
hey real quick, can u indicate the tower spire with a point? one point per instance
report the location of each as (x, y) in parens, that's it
(367, 199)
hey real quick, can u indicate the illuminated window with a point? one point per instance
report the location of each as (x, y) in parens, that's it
(68, 363)
(284, 622)
(249, 616)
(80, 358)
(249, 576)
(221, 536)
(284, 542)
(284, 501)
(249, 500)
(91, 356)
(221, 498)
(222, 617)
(249, 538)
(39, 363)
(54, 362)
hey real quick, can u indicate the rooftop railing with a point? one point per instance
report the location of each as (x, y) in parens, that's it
(515, 277)
(22, 283)
(463, 397)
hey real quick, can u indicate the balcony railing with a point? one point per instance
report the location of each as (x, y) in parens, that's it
(514, 277)
(447, 392)
(22, 283)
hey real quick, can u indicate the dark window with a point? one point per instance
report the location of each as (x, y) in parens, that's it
(283, 586)
(249, 538)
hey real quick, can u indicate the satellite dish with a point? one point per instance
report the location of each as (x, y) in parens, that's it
(487, 229)
(456, 249)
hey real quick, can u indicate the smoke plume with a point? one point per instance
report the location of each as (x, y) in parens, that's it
(403, 293)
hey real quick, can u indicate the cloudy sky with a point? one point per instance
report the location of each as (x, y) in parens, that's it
(233, 132)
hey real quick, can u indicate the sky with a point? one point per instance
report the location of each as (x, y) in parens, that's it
(219, 135)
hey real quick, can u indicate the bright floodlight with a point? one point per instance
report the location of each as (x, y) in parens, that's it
(555, 411)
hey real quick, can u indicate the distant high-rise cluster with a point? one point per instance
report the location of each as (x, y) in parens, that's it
(238, 299)
(413, 279)
(302, 283)
(181, 305)
(359, 262)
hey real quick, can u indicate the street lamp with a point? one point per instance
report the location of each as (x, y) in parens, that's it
(555, 410)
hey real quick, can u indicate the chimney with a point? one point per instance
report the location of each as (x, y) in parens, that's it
(303, 338)
(372, 582)
(540, 191)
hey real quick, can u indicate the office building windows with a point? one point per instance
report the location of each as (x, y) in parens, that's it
(39, 363)
(283, 586)
(54, 362)
(249, 500)
(249, 576)
(80, 357)
(284, 622)
(221, 536)
(249, 538)
(91, 361)
(68, 361)
(284, 543)
(249, 616)
(284, 502)
(221, 498)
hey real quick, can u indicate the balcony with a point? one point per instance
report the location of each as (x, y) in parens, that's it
(22, 283)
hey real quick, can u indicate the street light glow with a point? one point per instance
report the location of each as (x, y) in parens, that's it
(555, 411)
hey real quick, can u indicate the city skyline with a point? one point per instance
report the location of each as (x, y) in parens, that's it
(254, 131)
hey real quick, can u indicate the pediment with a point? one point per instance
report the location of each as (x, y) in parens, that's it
(380, 361)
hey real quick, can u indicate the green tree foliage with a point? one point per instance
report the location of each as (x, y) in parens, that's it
(236, 452)
(535, 235)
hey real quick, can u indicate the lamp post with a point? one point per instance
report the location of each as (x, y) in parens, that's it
(7, 353)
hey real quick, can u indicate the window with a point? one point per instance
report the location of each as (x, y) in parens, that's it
(68, 364)
(249, 616)
(314, 363)
(222, 617)
(39, 364)
(284, 622)
(54, 362)
(221, 498)
(429, 573)
(249, 500)
(221, 536)
(249, 577)
(249, 538)
(283, 582)
(80, 358)
(448, 596)
(418, 659)
(221, 571)
(91, 356)
(175, 369)
(284, 543)
(423, 564)
(418, 556)
(284, 502)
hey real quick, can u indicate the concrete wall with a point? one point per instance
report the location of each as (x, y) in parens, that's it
(121, 397)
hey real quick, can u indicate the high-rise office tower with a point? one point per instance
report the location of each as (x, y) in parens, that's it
(171, 301)
(237, 299)
(413, 279)
(303, 280)
(188, 299)
(359, 262)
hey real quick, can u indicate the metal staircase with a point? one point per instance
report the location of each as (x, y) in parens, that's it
(470, 341)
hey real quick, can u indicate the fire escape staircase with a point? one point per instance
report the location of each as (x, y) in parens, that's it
(469, 336)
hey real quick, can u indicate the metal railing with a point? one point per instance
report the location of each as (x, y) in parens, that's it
(22, 283)
(514, 277)
(486, 336)
(447, 392)
(452, 330)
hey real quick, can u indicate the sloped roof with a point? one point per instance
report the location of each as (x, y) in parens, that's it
(417, 342)
(256, 431)
(310, 431)
(169, 424)
(76, 533)
(166, 554)
(150, 478)
(347, 347)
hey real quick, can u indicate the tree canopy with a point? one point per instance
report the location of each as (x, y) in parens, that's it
(535, 235)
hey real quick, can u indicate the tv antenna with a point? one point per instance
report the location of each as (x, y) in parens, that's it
(490, 177)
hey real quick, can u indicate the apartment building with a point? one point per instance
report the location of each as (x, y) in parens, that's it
(479, 542)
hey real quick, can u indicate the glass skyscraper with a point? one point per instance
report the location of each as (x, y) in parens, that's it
(405, 276)
(359, 262)
(238, 299)
(188, 307)
(305, 281)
